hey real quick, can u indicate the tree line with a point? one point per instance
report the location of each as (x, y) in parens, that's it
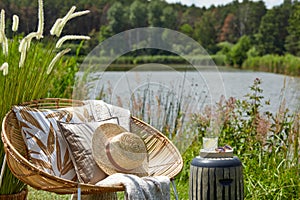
(248, 25)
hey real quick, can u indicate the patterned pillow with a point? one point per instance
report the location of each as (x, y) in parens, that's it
(46, 147)
(79, 139)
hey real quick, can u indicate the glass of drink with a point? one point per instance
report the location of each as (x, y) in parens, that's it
(210, 143)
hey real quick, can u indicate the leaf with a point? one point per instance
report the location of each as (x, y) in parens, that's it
(80, 116)
(38, 142)
(74, 178)
(61, 114)
(69, 116)
(41, 163)
(66, 158)
(58, 155)
(57, 114)
(51, 140)
(23, 124)
(66, 168)
(33, 152)
(30, 119)
(86, 113)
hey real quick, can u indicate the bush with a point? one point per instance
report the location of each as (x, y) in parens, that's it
(267, 144)
(287, 64)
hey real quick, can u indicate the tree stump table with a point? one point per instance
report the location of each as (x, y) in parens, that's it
(215, 177)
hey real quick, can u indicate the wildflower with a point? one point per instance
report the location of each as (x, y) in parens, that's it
(56, 58)
(61, 22)
(41, 21)
(71, 37)
(15, 23)
(4, 68)
(262, 128)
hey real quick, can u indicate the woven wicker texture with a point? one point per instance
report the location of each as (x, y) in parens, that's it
(164, 158)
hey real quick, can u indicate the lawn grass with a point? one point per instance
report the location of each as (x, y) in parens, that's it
(34, 194)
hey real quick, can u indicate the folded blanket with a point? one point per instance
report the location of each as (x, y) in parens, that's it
(147, 188)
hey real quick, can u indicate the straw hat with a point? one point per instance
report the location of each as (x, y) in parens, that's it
(116, 150)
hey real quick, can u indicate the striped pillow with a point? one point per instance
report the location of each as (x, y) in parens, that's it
(46, 147)
(79, 140)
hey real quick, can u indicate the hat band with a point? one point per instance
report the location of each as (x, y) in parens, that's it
(110, 158)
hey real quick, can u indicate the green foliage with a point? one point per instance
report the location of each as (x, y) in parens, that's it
(138, 14)
(273, 30)
(238, 53)
(292, 40)
(287, 64)
(169, 17)
(206, 33)
(155, 11)
(117, 18)
(267, 144)
(30, 78)
(249, 16)
(186, 29)
(24, 84)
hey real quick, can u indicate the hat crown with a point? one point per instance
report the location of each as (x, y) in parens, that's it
(117, 150)
(129, 142)
(127, 150)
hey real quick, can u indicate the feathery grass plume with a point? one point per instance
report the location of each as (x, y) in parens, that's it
(15, 24)
(41, 21)
(5, 46)
(56, 58)
(56, 26)
(3, 38)
(71, 37)
(2, 25)
(30, 80)
(61, 22)
(4, 68)
(79, 13)
(25, 45)
(23, 55)
(25, 42)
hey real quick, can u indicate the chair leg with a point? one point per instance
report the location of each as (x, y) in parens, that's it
(174, 189)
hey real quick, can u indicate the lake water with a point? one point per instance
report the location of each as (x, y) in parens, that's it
(155, 96)
(196, 88)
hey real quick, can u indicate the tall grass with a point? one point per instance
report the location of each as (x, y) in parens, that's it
(28, 79)
(268, 145)
(287, 64)
(164, 59)
(20, 85)
(26, 83)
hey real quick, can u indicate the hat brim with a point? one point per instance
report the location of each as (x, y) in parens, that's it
(100, 139)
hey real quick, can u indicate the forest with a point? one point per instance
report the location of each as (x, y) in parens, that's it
(238, 30)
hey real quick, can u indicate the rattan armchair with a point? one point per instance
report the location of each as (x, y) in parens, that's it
(164, 158)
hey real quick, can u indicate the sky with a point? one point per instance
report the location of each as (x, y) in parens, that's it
(208, 3)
